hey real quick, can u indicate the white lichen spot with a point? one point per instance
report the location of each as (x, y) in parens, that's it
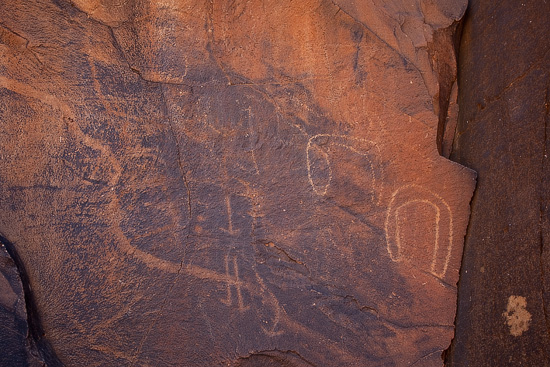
(517, 316)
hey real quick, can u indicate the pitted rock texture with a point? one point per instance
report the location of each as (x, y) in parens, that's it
(16, 343)
(503, 314)
(231, 183)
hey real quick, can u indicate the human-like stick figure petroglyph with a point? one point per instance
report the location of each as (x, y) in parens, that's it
(234, 282)
(433, 206)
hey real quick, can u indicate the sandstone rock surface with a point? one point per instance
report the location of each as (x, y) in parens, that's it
(231, 183)
(18, 347)
(502, 133)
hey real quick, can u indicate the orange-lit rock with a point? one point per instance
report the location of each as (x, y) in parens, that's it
(234, 183)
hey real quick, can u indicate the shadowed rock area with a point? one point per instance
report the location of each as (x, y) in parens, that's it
(230, 183)
(14, 332)
(502, 133)
(21, 338)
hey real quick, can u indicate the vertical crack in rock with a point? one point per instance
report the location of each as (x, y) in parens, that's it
(504, 107)
(443, 58)
(544, 209)
(156, 319)
(447, 354)
(443, 51)
(40, 352)
(447, 132)
(178, 152)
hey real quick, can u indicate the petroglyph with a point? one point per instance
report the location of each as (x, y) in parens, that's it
(319, 166)
(70, 119)
(229, 230)
(233, 281)
(437, 215)
(269, 300)
(252, 136)
(154, 110)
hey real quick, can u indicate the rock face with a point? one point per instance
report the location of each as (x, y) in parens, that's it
(223, 183)
(503, 133)
(18, 347)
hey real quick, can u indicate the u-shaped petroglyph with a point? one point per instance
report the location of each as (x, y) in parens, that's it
(413, 195)
(358, 146)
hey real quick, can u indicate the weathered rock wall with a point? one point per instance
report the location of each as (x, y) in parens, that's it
(502, 133)
(228, 183)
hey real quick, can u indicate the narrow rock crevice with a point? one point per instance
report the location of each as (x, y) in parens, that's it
(442, 132)
(504, 104)
(443, 51)
(40, 349)
(544, 211)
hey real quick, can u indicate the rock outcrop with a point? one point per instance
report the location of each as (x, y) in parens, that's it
(231, 183)
(502, 133)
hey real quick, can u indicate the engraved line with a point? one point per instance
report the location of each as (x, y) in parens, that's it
(398, 235)
(391, 214)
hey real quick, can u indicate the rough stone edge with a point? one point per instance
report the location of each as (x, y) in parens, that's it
(40, 352)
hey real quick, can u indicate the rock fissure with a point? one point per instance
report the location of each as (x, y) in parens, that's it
(38, 347)
(544, 211)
